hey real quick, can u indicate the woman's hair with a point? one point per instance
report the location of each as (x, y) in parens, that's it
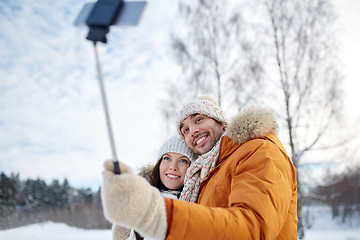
(155, 176)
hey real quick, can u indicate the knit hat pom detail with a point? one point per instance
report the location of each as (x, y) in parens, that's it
(208, 98)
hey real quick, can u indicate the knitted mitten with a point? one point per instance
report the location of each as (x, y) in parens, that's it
(130, 201)
(120, 233)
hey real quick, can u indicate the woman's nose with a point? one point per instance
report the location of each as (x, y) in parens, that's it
(173, 166)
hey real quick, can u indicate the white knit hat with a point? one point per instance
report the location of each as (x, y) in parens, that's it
(177, 145)
(203, 105)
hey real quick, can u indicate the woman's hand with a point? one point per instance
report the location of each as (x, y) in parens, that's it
(130, 201)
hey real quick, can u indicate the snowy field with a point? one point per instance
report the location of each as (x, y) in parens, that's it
(323, 228)
(53, 231)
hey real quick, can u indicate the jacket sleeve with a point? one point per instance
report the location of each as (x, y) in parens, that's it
(263, 185)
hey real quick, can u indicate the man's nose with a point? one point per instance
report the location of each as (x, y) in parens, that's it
(193, 131)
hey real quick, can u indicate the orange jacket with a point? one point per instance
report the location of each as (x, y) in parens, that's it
(251, 194)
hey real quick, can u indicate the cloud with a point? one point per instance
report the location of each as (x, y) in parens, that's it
(52, 118)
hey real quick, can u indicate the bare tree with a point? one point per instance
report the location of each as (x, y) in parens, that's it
(305, 71)
(216, 56)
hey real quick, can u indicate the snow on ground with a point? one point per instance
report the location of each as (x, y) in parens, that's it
(53, 231)
(323, 228)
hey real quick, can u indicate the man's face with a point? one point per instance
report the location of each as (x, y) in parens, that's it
(201, 132)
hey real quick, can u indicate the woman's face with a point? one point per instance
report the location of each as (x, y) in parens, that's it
(172, 170)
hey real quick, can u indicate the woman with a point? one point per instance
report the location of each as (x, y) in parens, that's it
(167, 175)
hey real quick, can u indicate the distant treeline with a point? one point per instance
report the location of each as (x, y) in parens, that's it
(341, 191)
(32, 201)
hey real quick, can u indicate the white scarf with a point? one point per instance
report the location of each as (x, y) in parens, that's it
(197, 171)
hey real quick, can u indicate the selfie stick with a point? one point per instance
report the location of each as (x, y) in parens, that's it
(107, 115)
(99, 17)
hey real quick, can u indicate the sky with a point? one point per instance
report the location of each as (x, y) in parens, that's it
(52, 122)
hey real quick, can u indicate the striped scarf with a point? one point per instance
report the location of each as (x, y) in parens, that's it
(197, 171)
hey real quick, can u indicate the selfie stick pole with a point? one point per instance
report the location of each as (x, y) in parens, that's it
(107, 115)
(99, 20)
(99, 17)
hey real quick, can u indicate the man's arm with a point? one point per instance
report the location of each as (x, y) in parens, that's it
(262, 189)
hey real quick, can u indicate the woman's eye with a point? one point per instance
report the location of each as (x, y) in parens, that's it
(198, 120)
(184, 161)
(185, 131)
(166, 158)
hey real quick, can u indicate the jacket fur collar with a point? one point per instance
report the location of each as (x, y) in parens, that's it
(251, 123)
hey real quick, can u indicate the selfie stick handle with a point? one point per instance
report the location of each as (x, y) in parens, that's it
(103, 95)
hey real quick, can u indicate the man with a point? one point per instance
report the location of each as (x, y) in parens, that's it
(243, 182)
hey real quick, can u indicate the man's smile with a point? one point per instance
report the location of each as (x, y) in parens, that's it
(199, 139)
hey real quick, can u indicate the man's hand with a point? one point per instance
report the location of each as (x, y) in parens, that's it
(130, 201)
